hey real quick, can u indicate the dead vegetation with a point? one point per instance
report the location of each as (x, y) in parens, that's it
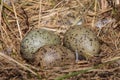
(18, 18)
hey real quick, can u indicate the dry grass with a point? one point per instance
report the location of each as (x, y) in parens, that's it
(58, 15)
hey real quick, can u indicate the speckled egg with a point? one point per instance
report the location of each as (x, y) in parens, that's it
(34, 40)
(83, 40)
(53, 56)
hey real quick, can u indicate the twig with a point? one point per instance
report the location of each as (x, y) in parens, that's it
(17, 20)
(95, 9)
(40, 10)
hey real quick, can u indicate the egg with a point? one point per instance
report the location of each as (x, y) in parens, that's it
(34, 40)
(53, 56)
(83, 40)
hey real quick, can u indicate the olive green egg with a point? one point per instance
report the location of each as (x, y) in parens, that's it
(53, 56)
(82, 39)
(34, 40)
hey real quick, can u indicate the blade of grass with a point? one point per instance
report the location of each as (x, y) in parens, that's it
(73, 74)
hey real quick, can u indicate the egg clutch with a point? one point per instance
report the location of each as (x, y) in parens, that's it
(43, 48)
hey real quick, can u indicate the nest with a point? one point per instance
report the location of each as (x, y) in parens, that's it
(18, 18)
